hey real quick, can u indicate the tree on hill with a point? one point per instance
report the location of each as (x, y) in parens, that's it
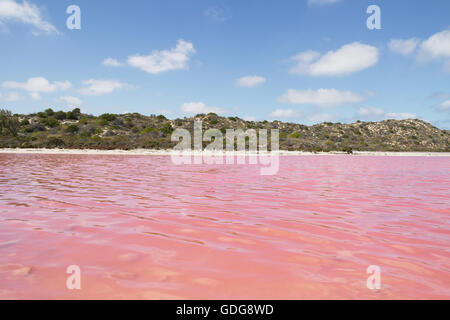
(9, 124)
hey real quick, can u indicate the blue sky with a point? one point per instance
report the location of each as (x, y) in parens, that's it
(305, 61)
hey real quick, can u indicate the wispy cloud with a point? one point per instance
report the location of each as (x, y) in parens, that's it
(110, 62)
(370, 112)
(320, 97)
(283, 114)
(375, 114)
(11, 97)
(400, 116)
(27, 13)
(70, 101)
(199, 107)
(444, 106)
(93, 87)
(218, 13)
(404, 47)
(250, 81)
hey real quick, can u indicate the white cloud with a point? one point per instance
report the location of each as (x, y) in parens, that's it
(282, 113)
(70, 101)
(63, 85)
(38, 85)
(349, 58)
(369, 112)
(165, 60)
(374, 113)
(110, 62)
(404, 47)
(199, 107)
(35, 96)
(218, 13)
(26, 13)
(12, 96)
(322, 2)
(95, 87)
(250, 81)
(447, 66)
(320, 97)
(436, 47)
(444, 106)
(400, 116)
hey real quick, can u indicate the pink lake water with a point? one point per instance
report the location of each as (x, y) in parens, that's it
(140, 227)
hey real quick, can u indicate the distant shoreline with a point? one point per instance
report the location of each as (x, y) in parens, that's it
(170, 152)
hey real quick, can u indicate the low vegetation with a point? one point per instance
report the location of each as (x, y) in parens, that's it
(74, 130)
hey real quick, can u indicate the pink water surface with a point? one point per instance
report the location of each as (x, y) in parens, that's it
(141, 227)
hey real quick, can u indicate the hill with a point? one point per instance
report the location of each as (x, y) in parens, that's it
(74, 130)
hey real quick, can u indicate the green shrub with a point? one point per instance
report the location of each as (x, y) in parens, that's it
(102, 122)
(296, 135)
(72, 115)
(9, 124)
(37, 127)
(50, 122)
(161, 117)
(85, 134)
(54, 142)
(108, 117)
(83, 120)
(49, 112)
(73, 128)
(147, 130)
(348, 150)
(60, 115)
(166, 129)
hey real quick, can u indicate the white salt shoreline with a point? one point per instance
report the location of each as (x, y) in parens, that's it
(170, 152)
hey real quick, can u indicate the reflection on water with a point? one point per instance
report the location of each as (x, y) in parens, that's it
(141, 227)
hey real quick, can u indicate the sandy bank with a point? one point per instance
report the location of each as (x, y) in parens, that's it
(170, 152)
